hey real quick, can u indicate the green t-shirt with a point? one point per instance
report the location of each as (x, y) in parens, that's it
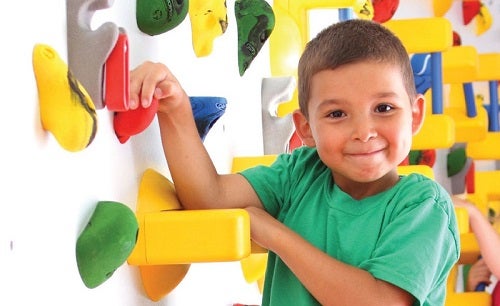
(406, 235)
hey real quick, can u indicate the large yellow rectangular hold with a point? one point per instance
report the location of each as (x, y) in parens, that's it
(460, 64)
(489, 67)
(421, 169)
(486, 183)
(456, 297)
(468, 129)
(469, 248)
(190, 236)
(241, 163)
(423, 35)
(437, 132)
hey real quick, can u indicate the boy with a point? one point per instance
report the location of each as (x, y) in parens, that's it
(341, 226)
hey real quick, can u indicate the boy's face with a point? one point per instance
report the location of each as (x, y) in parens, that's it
(361, 121)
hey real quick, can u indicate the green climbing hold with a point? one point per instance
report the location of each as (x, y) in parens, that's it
(455, 161)
(106, 242)
(414, 157)
(159, 16)
(255, 22)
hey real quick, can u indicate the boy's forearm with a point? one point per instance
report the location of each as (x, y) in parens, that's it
(192, 170)
(488, 239)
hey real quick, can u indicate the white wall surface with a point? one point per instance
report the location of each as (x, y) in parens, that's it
(48, 194)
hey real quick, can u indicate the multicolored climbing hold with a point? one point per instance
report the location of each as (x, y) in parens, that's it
(66, 109)
(208, 21)
(206, 111)
(159, 16)
(422, 157)
(421, 66)
(255, 21)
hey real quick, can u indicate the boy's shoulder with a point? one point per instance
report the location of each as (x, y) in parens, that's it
(302, 160)
(425, 186)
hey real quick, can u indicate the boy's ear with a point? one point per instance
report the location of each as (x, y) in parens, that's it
(303, 129)
(418, 113)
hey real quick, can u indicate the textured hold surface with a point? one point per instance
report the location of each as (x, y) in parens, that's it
(89, 49)
(159, 16)
(106, 242)
(208, 21)
(66, 109)
(255, 21)
(206, 111)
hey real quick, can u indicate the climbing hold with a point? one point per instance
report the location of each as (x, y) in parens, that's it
(117, 78)
(160, 280)
(159, 16)
(384, 9)
(470, 9)
(106, 242)
(470, 181)
(89, 48)
(66, 109)
(276, 131)
(255, 22)
(206, 111)
(422, 157)
(421, 66)
(156, 193)
(208, 21)
(440, 7)
(457, 39)
(455, 161)
(133, 121)
(364, 10)
(484, 20)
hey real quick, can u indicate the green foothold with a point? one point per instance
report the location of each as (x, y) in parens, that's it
(455, 161)
(415, 156)
(255, 22)
(159, 16)
(106, 242)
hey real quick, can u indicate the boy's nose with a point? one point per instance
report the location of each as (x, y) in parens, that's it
(363, 130)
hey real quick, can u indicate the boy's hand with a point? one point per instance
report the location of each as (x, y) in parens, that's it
(150, 80)
(478, 273)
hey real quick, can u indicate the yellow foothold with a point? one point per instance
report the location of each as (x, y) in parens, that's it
(160, 280)
(66, 109)
(208, 21)
(157, 193)
(254, 267)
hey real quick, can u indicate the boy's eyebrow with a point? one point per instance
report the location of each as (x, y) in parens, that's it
(330, 101)
(386, 94)
(378, 95)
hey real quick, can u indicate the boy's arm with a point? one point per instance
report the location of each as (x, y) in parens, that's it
(197, 183)
(486, 235)
(330, 281)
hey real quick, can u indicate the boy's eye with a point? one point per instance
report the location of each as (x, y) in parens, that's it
(383, 108)
(336, 114)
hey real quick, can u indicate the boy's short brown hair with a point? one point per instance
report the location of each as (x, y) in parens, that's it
(347, 42)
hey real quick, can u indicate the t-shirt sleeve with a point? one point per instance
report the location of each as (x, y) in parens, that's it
(269, 182)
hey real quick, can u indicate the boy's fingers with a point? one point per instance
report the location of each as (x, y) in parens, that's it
(148, 81)
(143, 81)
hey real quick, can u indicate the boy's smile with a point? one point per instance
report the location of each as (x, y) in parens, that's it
(361, 121)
